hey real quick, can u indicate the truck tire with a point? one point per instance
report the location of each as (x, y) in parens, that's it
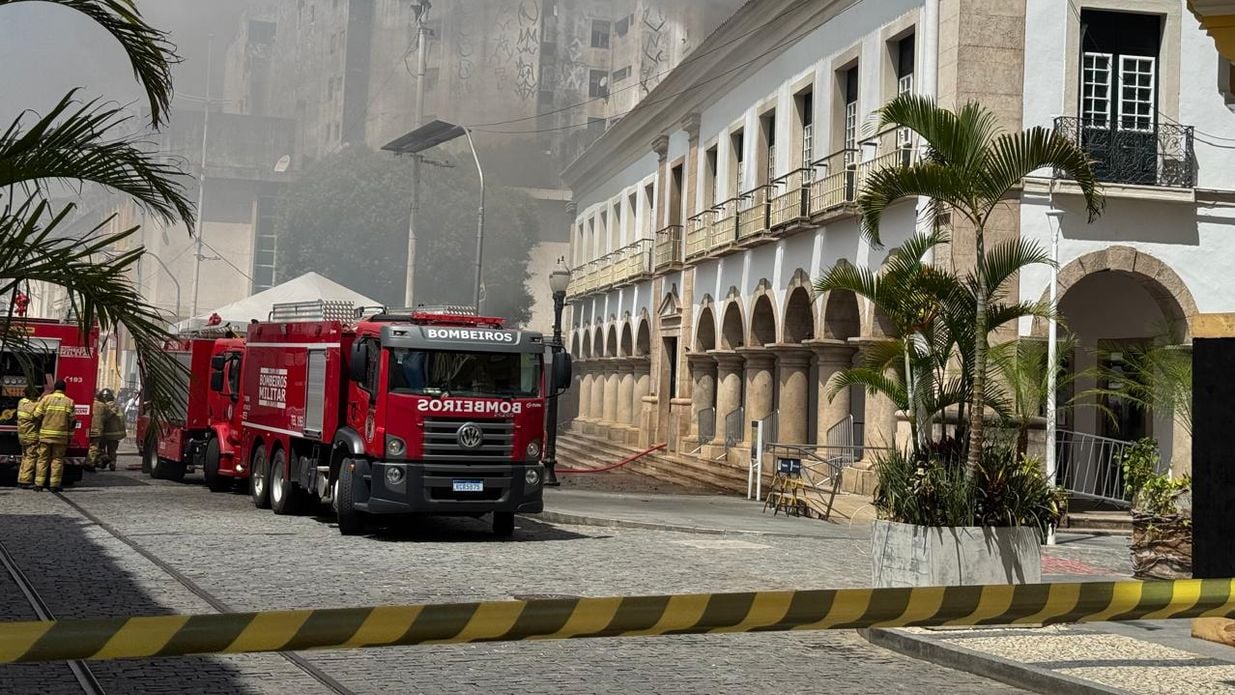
(503, 524)
(259, 488)
(351, 521)
(210, 468)
(150, 452)
(283, 497)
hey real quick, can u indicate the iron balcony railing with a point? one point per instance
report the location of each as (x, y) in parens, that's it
(698, 229)
(834, 182)
(1161, 155)
(632, 262)
(753, 212)
(790, 198)
(891, 148)
(668, 247)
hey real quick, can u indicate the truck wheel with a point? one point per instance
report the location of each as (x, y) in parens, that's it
(283, 497)
(149, 453)
(351, 521)
(210, 468)
(258, 487)
(503, 524)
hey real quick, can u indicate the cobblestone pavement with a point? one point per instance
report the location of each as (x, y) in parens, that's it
(254, 560)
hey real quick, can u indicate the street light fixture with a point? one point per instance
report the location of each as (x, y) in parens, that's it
(559, 281)
(1054, 219)
(431, 135)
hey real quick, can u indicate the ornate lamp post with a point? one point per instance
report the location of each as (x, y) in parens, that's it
(559, 280)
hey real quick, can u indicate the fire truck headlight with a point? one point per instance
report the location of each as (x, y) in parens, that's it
(395, 446)
(532, 477)
(533, 449)
(394, 474)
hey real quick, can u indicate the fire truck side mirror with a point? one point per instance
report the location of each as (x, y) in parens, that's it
(357, 365)
(218, 362)
(216, 381)
(562, 372)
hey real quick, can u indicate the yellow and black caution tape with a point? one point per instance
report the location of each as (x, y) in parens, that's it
(349, 628)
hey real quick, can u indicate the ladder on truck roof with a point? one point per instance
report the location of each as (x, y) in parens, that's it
(315, 310)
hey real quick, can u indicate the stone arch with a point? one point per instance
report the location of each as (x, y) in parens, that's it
(643, 338)
(705, 331)
(627, 344)
(576, 343)
(598, 341)
(1157, 278)
(611, 342)
(799, 323)
(732, 329)
(762, 316)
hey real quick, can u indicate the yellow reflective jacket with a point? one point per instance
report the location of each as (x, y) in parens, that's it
(27, 423)
(57, 413)
(113, 423)
(98, 413)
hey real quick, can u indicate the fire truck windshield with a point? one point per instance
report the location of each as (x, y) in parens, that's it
(476, 374)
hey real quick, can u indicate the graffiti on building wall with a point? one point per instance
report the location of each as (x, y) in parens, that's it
(527, 49)
(573, 69)
(465, 49)
(654, 54)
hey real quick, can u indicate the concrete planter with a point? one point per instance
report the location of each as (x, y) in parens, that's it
(904, 555)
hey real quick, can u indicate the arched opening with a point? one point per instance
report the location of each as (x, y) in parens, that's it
(799, 319)
(643, 341)
(576, 343)
(627, 341)
(1112, 319)
(598, 342)
(611, 344)
(763, 322)
(732, 333)
(705, 333)
(882, 326)
(841, 320)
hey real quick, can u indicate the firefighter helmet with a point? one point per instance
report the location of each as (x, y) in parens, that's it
(107, 396)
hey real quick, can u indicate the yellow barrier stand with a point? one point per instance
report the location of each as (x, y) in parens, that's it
(349, 628)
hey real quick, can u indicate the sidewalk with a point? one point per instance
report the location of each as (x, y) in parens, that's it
(1140, 656)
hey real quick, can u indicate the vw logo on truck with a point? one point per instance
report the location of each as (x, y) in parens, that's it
(470, 436)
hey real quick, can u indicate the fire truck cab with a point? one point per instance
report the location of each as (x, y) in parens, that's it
(203, 430)
(53, 350)
(397, 412)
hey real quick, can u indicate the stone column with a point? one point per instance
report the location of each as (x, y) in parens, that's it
(596, 395)
(641, 370)
(625, 392)
(609, 413)
(728, 386)
(703, 395)
(760, 385)
(793, 374)
(832, 357)
(585, 388)
(880, 418)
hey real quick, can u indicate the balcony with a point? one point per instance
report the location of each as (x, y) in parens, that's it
(790, 202)
(835, 182)
(724, 228)
(631, 263)
(1162, 155)
(753, 213)
(668, 251)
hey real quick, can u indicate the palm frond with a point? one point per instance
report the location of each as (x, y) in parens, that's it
(80, 142)
(1005, 259)
(957, 138)
(150, 53)
(874, 381)
(930, 179)
(1013, 156)
(99, 293)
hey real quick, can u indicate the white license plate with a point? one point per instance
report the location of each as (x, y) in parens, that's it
(469, 485)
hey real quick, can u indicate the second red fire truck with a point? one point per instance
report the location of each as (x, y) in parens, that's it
(394, 412)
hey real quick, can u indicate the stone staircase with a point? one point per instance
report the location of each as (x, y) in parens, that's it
(578, 450)
(1099, 523)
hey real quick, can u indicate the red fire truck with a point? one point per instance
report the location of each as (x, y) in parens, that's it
(203, 431)
(54, 350)
(400, 412)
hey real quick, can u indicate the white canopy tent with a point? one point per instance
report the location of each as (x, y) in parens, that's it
(306, 288)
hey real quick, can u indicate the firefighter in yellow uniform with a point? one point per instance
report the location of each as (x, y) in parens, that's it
(98, 414)
(56, 412)
(113, 430)
(28, 436)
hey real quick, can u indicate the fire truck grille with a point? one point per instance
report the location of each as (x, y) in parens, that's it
(442, 440)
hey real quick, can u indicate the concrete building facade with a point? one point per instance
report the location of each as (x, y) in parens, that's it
(702, 216)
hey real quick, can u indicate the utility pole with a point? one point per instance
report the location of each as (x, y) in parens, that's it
(422, 55)
(201, 178)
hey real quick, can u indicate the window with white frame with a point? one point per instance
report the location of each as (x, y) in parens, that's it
(1137, 87)
(904, 80)
(1096, 77)
(806, 115)
(736, 146)
(850, 144)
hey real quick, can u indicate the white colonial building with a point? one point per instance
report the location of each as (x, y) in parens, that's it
(703, 215)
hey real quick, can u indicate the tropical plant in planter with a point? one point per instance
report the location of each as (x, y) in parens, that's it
(955, 508)
(1161, 515)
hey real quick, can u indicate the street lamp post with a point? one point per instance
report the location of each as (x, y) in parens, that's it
(175, 282)
(559, 280)
(1054, 218)
(431, 135)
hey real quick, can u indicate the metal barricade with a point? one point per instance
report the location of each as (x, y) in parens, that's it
(707, 425)
(735, 422)
(1091, 466)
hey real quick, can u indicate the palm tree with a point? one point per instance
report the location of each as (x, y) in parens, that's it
(77, 143)
(969, 167)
